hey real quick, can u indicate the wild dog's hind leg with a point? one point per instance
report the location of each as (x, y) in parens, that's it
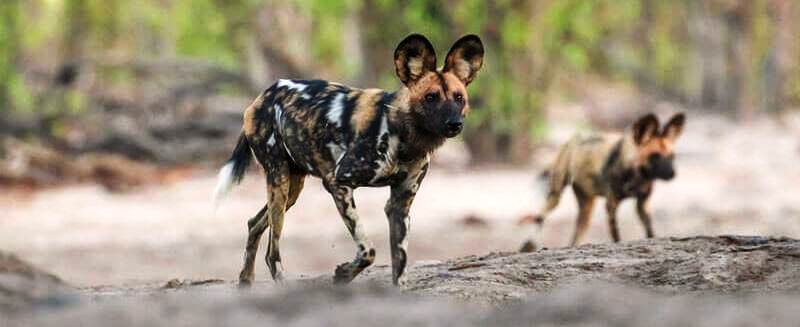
(255, 228)
(643, 209)
(397, 208)
(555, 188)
(585, 206)
(278, 185)
(365, 253)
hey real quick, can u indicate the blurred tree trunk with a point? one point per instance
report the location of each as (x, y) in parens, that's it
(76, 26)
(372, 61)
(783, 55)
(240, 24)
(353, 46)
(9, 51)
(738, 48)
(528, 75)
(708, 33)
(279, 25)
(721, 34)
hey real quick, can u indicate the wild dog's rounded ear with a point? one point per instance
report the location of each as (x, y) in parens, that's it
(674, 127)
(645, 128)
(414, 57)
(465, 58)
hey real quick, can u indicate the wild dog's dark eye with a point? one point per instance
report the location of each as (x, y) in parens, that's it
(458, 97)
(431, 97)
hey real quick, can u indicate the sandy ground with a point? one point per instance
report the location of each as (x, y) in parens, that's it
(732, 179)
(696, 281)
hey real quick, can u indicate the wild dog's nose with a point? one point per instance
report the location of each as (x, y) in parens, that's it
(670, 175)
(454, 126)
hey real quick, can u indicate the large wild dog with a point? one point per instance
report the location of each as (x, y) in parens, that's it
(350, 138)
(615, 167)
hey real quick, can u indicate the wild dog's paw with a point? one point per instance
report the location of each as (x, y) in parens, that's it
(344, 273)
(528, 246)
(401, 281)
(245, 284)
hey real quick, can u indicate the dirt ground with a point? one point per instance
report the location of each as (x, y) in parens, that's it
(697, 281)
(732, 179)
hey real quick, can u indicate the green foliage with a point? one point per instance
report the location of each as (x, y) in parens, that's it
(530, 44)
(12, 90)
(201, 31)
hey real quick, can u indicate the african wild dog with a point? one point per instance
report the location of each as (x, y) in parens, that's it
(349, 138)
(615, 167)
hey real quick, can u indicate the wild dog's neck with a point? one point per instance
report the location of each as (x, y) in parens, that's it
(623, 168)
(416, 142)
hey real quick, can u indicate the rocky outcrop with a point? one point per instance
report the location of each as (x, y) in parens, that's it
(699, 281)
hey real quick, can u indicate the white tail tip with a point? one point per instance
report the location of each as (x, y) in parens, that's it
(224, 183)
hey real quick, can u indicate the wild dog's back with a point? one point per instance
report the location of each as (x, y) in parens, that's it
(590, 155)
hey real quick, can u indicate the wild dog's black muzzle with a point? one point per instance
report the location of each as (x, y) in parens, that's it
(455, 121)
(454, 127)
(659, 167)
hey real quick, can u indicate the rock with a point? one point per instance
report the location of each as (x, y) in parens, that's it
(698, 281)
(673, 265)
(23, 286)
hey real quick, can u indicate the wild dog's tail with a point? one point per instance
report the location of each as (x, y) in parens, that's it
(559, 174)
(233, 170)
(556, 178)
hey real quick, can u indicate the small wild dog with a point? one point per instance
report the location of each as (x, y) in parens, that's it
(613, 166)
(349, 138)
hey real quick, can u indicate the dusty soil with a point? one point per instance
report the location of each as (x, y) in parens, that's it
(700, 281)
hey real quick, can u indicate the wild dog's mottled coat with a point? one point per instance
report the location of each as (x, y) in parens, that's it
(351, 138)
(615, 167)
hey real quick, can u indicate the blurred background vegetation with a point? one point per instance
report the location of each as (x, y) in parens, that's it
(131, 76)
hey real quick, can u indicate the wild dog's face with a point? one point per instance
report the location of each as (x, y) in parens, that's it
(655, 148)
(438, 100)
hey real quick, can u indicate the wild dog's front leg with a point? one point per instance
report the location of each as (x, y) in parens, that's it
(365, 254)
(611, 211)
(397, 208)
(643, 209)
(585, 206)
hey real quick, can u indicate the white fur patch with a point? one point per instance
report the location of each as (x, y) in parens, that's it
(337, 151)
(384, 127)
(404, 242)
(415, 67)
(278, 117)
(278, 114)
(288, 152)
(291, 85)
(224, 183)
(462, 68)
(271, 140)
(384, 166)
(334, 114)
